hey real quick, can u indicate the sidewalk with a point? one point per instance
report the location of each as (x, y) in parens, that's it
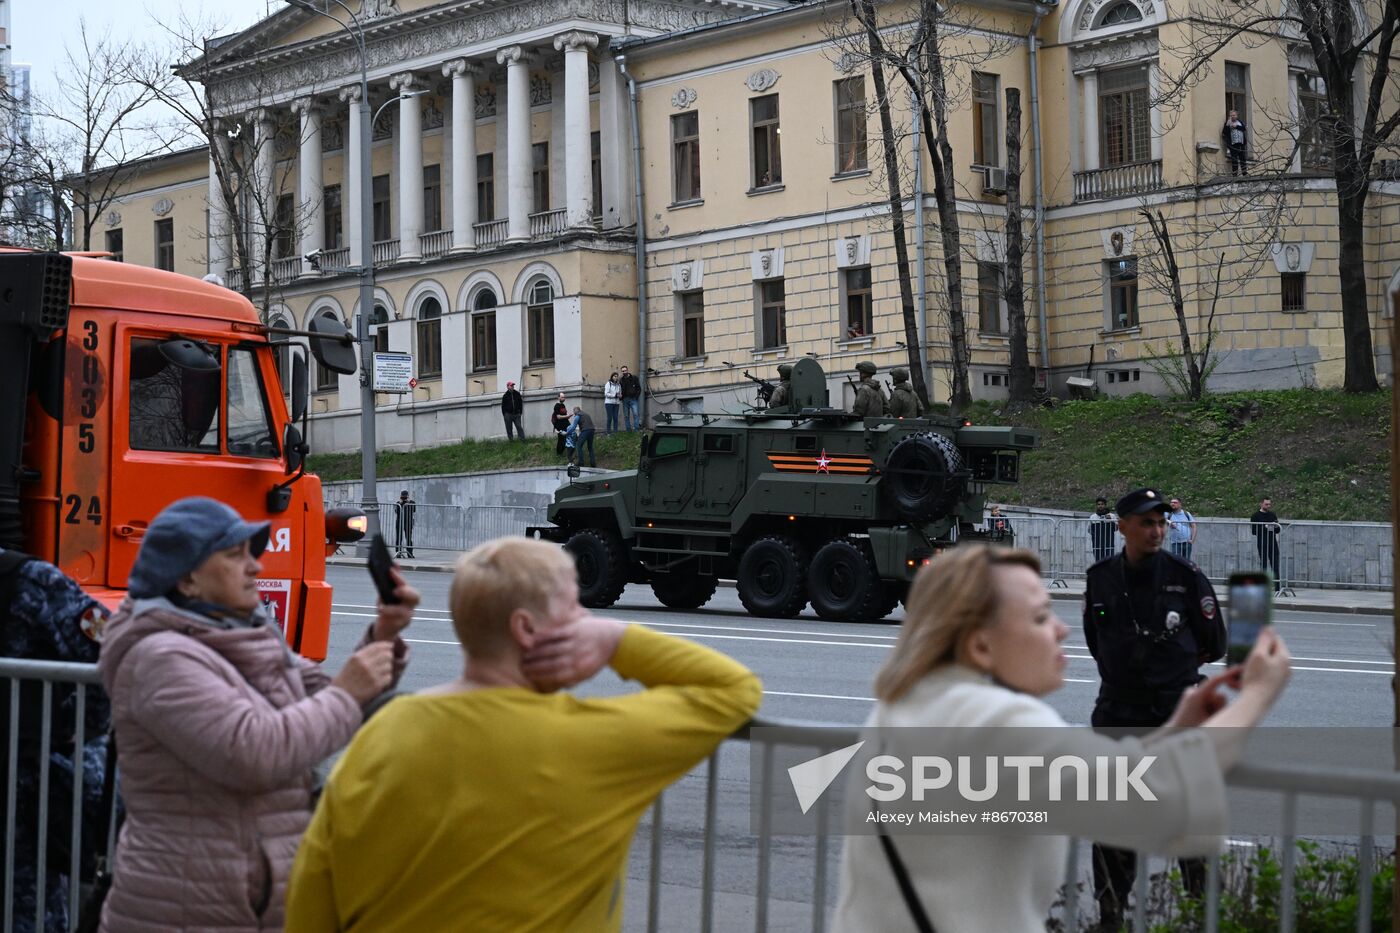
(1362, 602)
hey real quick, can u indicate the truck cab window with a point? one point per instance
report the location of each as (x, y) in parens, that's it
(173, 406)
(249, 421)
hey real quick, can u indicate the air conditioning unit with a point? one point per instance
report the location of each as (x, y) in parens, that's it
(993, 180)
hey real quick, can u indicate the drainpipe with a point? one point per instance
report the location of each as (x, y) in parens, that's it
(919, 243)
(641, 234)
(1040, 12)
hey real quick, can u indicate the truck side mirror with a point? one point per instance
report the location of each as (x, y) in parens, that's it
(294, 448)
(299, 387)
(332, 345)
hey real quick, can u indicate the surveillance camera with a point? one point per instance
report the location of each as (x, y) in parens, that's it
(313, 259)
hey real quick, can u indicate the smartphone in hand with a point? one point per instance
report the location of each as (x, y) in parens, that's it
(1251, 608)
(379, 564)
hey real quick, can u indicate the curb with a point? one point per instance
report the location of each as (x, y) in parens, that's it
(424, 566)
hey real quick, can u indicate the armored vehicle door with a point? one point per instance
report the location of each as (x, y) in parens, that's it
(719, 472)
(666, 474)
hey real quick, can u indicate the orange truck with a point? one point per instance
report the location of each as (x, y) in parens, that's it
(143, 387)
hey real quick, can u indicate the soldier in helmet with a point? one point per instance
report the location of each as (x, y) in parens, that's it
(782, 395)
(903, 402)
(870, 398)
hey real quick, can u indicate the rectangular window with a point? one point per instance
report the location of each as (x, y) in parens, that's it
(1295, 291)
(1312, 111)
(692, 305)
(171, 407)
(1122, 279)
(985, 150)
(859, 314)
(383, 229)
(1125, 122)
(685, 156)
(540, 174)
(595, 143)
(1237, 90)
(250, 431)
(989, 295)
(772, 315)
(767, 137)
(165, 244)
(485, 188)
(114, 244)
(432, 198)
(331, 213)
(283, 227)
(541, 335)
(483, 341)
(851, 126)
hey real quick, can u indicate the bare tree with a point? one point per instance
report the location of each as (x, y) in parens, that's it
(1185, 371)
(1022, 388)
(99, 116)
(1351, 55)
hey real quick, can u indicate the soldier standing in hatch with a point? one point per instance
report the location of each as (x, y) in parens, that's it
(870, 398)
(903, 402)
(782, 395)
(1150, 620)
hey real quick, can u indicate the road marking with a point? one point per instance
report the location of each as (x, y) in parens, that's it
(779, 631)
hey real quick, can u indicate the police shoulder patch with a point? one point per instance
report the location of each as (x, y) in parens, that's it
(1208, 607)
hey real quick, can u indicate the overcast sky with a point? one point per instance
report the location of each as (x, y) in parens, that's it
(41, 29)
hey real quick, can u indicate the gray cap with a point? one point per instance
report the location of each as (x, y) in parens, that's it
(785, 370)
(900, 374)
(866, 367)
(185, 535)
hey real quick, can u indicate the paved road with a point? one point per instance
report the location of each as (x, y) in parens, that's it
(819, 671)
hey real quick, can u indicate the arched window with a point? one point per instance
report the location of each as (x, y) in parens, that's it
(378, 325)
(429, 338)
(326, 380)
(1120, 13)
(539, 312)
(484, 331)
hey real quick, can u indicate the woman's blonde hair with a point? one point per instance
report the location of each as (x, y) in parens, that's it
(948, 600)
(498, 577)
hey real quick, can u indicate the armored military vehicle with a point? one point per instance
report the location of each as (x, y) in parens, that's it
(801, 503)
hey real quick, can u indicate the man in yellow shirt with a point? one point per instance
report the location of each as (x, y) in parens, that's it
(494, 802)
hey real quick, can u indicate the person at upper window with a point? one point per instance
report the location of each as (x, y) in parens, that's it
(1236, 139)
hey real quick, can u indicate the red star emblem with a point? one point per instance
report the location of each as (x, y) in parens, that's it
(823, 462)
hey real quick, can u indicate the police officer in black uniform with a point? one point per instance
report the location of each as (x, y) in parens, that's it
(1150, 620)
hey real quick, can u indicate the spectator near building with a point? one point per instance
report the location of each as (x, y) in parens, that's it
(631, 400)
(1181, 535)
(496, 800)
(612, 401)
(1103, 525)
(512, 407)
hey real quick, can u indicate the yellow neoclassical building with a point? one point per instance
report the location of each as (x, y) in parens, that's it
(517, 145)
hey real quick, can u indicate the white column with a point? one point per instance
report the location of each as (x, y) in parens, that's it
(265, 200)
(463, 77)
(1154, 77)
(351, 187)
(219, 260)
(311, 217)
(410, 167)
(1091, 120)
(578, 151)
(518, 178)
(615, 145)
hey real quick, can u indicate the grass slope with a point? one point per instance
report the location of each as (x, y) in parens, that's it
(1319, 454)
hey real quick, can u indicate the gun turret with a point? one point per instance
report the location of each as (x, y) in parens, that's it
(765, 388)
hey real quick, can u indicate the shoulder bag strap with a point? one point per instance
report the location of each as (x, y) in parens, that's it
(906, 886)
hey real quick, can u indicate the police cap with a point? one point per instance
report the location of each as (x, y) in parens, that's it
(900, 375)
(785, 370)
(1141, 500)
(866, 367)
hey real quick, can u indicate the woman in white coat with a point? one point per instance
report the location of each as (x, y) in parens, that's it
(979, 647)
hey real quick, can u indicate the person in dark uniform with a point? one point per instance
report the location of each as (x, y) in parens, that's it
(1150, 620)
(404, 515)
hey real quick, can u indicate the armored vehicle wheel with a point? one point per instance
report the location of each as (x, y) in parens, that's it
(773, 578)
(893, 595)
(602, 566)
(843, 583)
(920, 477)
(684, 589)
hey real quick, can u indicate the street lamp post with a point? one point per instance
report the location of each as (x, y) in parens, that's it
(368, 451)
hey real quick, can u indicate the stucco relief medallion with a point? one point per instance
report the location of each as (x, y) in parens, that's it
(1115, 240)
(762, 79)
(485, 101)
(684, 97)
(1292, 256)
(113, 218)
(852, 247)
(765, 263)
(163, 207)
(685, 276)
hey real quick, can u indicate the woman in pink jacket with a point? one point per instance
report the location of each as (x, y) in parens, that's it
(219, 726)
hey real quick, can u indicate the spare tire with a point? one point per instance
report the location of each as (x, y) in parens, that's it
(923, 477)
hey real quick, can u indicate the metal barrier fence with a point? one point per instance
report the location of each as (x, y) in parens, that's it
(451, 528)
(54, 679)
(1310, 554)
(760, 855)
(62, 692)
